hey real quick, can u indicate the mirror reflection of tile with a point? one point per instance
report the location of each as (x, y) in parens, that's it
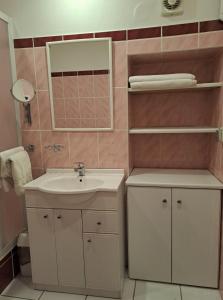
(81, 99)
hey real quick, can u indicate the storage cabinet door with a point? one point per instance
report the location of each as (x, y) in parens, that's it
(149, 233)
(42, 246)
(195, 244)
(69, 244)
(102, 261)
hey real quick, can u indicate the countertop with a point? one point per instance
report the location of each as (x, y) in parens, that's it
(174, 178)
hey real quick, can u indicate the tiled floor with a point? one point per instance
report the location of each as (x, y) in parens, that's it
(21, 288)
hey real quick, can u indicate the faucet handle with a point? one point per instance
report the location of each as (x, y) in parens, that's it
(79, 164)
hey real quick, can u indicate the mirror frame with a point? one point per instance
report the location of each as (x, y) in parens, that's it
(48, 44)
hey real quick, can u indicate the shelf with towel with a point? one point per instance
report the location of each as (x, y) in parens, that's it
(171, 130)
(199, 86)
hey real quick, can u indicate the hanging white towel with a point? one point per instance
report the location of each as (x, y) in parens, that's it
(142, 78)
(5, 168)
(165, 84)
(21, 171)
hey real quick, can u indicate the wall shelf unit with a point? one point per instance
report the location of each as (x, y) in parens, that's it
(173, 130)
(198, 87)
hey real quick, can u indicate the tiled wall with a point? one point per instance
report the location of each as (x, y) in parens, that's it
(81, 99)
(9, 268)
(111, 149)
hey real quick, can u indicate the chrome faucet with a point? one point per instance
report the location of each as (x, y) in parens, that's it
(80, 169)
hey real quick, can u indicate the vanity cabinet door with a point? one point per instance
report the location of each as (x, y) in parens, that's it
(149, 233)
(102, 261)
(195, 237)
(42, 246)
(69, 244)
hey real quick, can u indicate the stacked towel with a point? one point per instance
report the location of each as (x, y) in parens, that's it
(21, 171)
(5, 168)
(165, 81)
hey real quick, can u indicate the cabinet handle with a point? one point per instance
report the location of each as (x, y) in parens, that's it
(59, 217)
(179, 202)
(98, 223)
(45, 217)
(164, 201)
(89, 240)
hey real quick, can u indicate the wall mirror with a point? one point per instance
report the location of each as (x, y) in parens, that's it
(80, 83)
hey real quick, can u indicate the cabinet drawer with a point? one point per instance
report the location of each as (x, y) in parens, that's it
(100, 221)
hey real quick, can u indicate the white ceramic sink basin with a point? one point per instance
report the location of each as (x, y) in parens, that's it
(71, 184)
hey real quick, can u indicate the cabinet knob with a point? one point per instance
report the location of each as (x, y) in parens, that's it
(59, 217)
(89, 240)
(45, 216)
(98, 223)
(179, 202)
(164, 201)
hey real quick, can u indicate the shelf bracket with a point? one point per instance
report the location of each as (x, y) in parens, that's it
(220, 134)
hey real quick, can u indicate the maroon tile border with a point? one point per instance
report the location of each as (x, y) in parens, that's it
(23, 43)
(72, 73)
(115, 35)
(56, 74)
(78, 36)
(80, 73)
(180, 29)
(41, 41)
(211, 26)
(144, 33)
(100, 72)
(122, 35)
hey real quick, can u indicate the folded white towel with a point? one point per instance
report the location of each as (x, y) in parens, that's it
(141, 78)
(21, 171)
(165, 84)
(5, 169)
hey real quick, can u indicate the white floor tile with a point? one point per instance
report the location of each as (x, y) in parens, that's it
(128, 291)
(156, 291)
(192, 293)
(21, 287)
(61, 296)
(8, 298)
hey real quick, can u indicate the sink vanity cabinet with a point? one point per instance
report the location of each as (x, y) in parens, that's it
(174, 226)
(76, 241)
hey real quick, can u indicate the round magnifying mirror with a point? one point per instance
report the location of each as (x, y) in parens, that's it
(23, 91)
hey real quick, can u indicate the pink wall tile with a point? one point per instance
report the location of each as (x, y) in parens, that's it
(144, 46)
(84, 147)
(113, 149)
(59, 108)
(25, 64)
(70, 86)
(102, 108)
(87, 108)
(41, 68)
(85, 85)
(60, 123)
(103, 123)
(37, 173)
(44, 110)
(101, 85)
(88, 123)
(33, 138)
(121, 108)
(57, 87)
(120, 64)
(72, 108)
(73, 123)
(51, 159)
(181, 42)
(211, 39)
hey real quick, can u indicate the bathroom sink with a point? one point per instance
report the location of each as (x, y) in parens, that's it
(71, 184)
